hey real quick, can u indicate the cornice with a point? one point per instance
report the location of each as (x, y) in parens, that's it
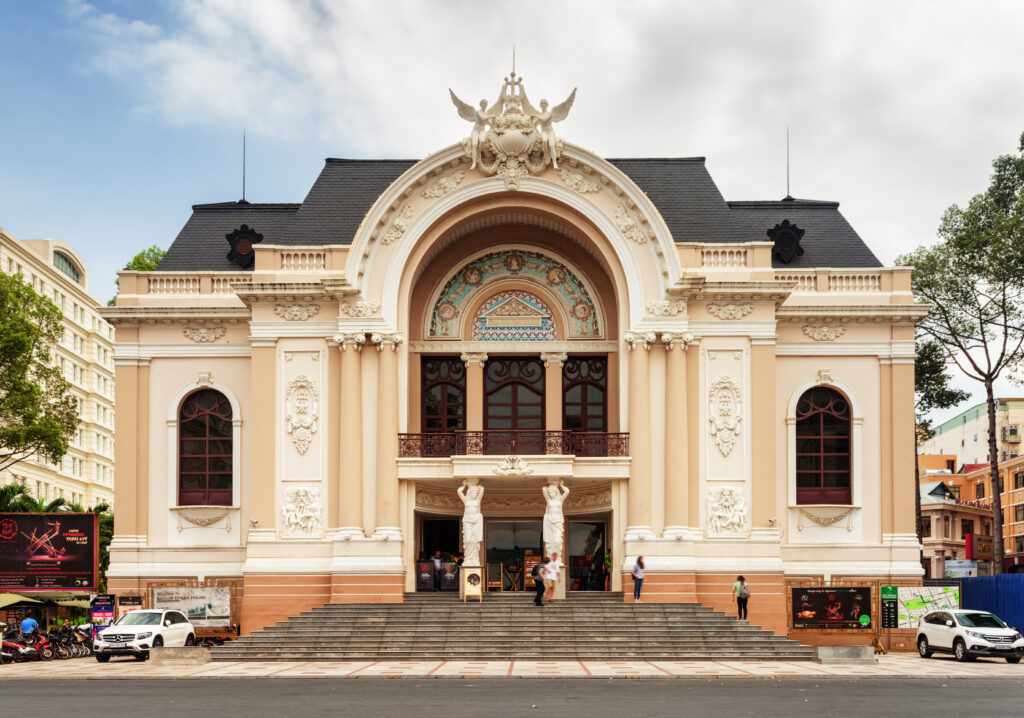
(854, 313)
(171, 316)
(256, 292)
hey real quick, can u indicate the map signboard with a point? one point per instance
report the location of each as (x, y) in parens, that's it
(204, 606)
(917, 601)
(48, 552)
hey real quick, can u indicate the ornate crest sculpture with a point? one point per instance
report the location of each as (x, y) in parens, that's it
(512, 138)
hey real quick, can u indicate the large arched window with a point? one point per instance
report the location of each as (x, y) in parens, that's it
(205, 450)
(823, 447)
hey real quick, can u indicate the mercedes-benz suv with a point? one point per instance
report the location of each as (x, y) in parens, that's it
(137, 631)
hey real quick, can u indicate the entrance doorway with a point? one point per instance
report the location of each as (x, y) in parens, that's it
(513, 548)
(587, 548)
(440, 535)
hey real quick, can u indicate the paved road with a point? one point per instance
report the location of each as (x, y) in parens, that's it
(410, 698)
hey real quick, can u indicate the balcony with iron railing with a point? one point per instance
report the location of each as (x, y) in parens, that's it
(520, 442)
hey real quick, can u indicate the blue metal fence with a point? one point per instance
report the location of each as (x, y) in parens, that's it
(1002, 595)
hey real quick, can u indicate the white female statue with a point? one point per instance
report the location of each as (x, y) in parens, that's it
(472, 494)
(554, 522)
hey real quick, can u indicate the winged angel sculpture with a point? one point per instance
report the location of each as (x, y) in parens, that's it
(512, 138)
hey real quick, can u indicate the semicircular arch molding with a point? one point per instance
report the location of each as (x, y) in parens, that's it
(584, 317)
(376, 241)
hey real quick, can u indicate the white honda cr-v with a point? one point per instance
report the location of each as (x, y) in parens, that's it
(138, 631)
(967, 635)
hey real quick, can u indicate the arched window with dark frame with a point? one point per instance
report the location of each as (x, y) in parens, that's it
(823, 447)
(205, 450)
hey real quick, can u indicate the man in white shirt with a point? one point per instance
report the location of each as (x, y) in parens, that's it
(437, 570)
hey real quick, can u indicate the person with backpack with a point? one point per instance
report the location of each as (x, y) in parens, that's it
(741, 594)
(538, 581)
(638, 578)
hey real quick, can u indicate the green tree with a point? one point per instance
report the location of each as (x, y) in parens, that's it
(32, 505)
(931, 391)
(974, 278)
(144, 261)
(11, 495)
(38, 415)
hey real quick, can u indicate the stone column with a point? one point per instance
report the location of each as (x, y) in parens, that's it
(638, 514)
(388, 523)
(553, 363)
(350, 436)
(474, 390)
(676, 435)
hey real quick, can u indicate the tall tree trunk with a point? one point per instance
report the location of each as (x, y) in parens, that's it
(997, 499)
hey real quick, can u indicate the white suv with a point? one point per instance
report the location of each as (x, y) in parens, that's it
(967, 635)
(138, 631)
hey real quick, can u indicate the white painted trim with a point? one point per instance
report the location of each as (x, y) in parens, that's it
(857, 439)
(293, 330)
(127, 352)
(895, 349)
(443, 346)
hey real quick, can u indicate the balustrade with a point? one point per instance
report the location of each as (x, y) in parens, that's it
(522, 441)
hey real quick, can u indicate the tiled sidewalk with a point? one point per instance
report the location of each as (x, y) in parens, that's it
(903, 665)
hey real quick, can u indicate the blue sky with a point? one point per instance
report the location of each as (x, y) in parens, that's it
(118, 115)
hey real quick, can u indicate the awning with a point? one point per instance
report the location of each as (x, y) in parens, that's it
(76, 603)
(9, 599)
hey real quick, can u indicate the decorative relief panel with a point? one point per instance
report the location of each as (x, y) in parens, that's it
(296, 312)
(825, 332)
(444, 184)
(666, 308)
(630, 227)
(578, 181)
(583, 316)
(399, 224)
(730, 311)
(302, 412)
(358, 309)
(727, 513)
(300, 515)
(203, 335)
(724, 413)
(508, 503)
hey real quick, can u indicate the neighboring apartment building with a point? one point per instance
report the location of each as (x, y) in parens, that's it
(945, 522)
(966, 434)
(978, 485)
(86, 473)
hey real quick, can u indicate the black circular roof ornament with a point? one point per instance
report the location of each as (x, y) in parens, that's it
(242, 241)
(786, 237)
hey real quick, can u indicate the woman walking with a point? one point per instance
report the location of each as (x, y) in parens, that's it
(638, 578)
(740, 594)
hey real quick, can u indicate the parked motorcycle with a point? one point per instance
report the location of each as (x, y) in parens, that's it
(16, 651)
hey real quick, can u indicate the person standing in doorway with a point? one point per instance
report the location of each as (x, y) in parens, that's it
(741, 594)
(437, 570)
(638, 578)
(538, 572)
(554, 575)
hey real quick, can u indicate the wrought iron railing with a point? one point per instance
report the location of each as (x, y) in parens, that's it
(522, 441)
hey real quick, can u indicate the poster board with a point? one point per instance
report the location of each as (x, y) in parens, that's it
(204, 606)
(832, 607)
(914, 602)
(128, 603)
(960, 568)
(48, 552)
(472, 583)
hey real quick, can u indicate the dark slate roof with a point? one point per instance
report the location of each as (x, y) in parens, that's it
(682, 190)
(828, 241)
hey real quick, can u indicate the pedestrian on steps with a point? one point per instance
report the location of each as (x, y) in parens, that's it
(554, 575)
(436, 560)
(638, 578)
(741, 594)
(538, 572)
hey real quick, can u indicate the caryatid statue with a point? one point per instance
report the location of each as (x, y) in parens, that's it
(480, 119)
(554, 521)
(472, 495)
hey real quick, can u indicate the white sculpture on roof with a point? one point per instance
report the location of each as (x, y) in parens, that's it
(512, 138)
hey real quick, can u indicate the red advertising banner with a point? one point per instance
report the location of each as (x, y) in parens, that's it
(49, 552)
(979, 548)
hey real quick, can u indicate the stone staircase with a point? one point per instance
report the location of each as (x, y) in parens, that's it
(507, 626)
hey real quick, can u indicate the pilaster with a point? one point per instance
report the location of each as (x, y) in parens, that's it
(474, 390)
(350, 494)
(676, 435)
(388, 519)
(639, 501)
(553, 363)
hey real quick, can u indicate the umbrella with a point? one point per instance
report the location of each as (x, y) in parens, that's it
(9, 599)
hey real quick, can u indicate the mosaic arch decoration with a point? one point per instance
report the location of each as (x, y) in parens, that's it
(514, 316)
(583, 317)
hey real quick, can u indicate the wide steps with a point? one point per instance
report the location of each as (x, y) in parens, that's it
(509, 627)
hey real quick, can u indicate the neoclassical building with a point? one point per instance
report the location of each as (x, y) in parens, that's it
(305, 391)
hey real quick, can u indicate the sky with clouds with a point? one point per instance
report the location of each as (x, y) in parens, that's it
(118, 115)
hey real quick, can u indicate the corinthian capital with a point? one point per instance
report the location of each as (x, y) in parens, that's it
(392, 339)
(640, 340)
(350, 340)
(672, 339)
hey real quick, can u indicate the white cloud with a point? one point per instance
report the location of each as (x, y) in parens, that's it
(896, 109)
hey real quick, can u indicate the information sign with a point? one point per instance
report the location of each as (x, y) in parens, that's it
(960, 568)
(204, 606)
(472, 583)
(842, 607)
(128, 603)
(103, 609)
(48, 552)
(978, 548)
(890, 607)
